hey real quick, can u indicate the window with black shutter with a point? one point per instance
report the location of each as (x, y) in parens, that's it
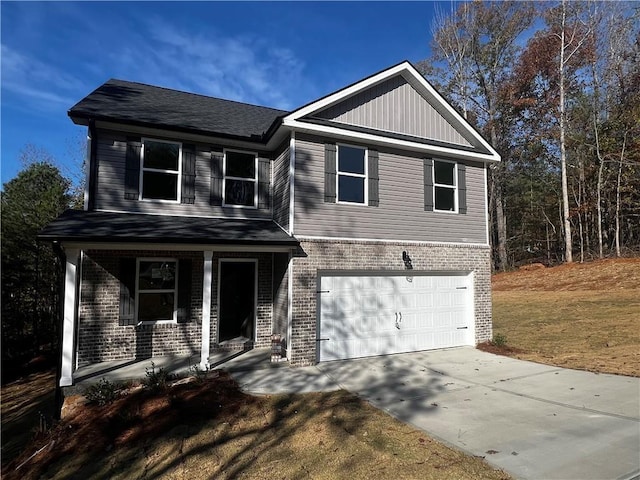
(160, 169)
(240, 186)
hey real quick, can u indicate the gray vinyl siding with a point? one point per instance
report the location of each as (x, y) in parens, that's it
(400, 214)
(394, 106)
(111, 153)
(281, 189)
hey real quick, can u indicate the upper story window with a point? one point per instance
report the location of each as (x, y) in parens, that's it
(240, 179)
(157, 290)
(352, 174)
(445, 186)
(160, 170)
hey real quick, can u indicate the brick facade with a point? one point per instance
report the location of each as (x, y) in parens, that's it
(101, 337)
(364, 255)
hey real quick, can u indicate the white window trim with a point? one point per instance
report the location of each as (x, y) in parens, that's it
(453, 187)
(175, 291)
(244, 179)
(364, 176)
(178, 172)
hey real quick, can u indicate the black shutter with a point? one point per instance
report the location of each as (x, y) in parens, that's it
(462, 188)
(127, 291)
(264, 179)
(428, 184)
(132, 168)
(374, 199)
(330, 172)
(184, 291)
(217, 158)
(188, 173)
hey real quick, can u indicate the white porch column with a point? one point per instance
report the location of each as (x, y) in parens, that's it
(69, 317)
(206, 309)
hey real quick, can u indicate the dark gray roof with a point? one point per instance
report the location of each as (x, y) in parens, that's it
(108, 227)
(146, 105)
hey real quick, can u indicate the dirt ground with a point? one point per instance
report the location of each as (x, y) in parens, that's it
(26, 407)
(584, 316)
(210, 429)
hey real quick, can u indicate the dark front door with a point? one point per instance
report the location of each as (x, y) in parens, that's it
(237, 301)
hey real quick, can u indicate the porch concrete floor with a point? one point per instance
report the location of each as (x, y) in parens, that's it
(123, 370)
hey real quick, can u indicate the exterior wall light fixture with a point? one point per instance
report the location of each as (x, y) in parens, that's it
(407, 261)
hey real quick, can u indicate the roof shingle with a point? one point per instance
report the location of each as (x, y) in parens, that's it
(108, 227)
(140, 104)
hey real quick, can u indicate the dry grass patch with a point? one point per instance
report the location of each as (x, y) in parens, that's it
(583, 316)
(211, 429)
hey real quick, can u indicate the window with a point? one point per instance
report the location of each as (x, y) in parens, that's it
(352, 174)
(157, 290)
(160, 179)
(444, 186)
(240, 179)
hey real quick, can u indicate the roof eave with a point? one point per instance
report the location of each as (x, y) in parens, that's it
(83, 118)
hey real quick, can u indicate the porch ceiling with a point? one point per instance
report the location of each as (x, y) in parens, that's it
(109, 227)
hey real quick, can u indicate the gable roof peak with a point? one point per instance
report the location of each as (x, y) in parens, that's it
(305, 117)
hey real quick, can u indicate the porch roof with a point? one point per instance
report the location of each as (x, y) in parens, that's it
(111, 227)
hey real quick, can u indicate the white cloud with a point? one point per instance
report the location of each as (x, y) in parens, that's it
(242, 67)
(42, 85)
(245, 68)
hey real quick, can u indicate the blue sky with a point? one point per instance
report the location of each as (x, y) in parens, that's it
(281, 55)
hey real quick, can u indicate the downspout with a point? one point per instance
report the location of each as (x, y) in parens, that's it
(58, 398)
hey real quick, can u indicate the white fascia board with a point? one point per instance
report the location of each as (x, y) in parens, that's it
(312, 128)
(175, 247)
(412, 76)
(453, 114)
(346, 92)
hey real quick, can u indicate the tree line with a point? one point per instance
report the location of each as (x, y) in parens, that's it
(555, 88)
(32, 270)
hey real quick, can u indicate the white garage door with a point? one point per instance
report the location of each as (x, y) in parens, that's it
(362, 316)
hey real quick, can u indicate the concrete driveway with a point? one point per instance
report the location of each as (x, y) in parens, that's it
(532, 420)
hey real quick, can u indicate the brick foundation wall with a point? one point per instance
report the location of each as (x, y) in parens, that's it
(360, 255)
(100, 336)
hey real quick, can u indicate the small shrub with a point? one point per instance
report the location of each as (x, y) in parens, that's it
(102, 393)
(157, 379)
(499, 340)
(199, 374)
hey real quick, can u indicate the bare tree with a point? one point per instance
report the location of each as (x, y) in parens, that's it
(477, 47)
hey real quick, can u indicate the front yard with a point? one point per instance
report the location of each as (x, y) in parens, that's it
(583, 316)
(209, 429)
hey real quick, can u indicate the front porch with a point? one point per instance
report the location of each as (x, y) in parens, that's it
(178, 365)
(174, 289)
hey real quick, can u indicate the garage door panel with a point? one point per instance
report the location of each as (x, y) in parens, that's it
(383, 314)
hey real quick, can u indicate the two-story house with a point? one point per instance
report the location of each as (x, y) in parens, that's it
(353, 226)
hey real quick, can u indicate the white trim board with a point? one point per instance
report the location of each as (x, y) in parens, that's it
(386, 240)
(292, 177)
(417, 81)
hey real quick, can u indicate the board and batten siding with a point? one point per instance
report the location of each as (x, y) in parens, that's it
(281, 189)
(400, 214)
(111, 154)
(394, 106)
